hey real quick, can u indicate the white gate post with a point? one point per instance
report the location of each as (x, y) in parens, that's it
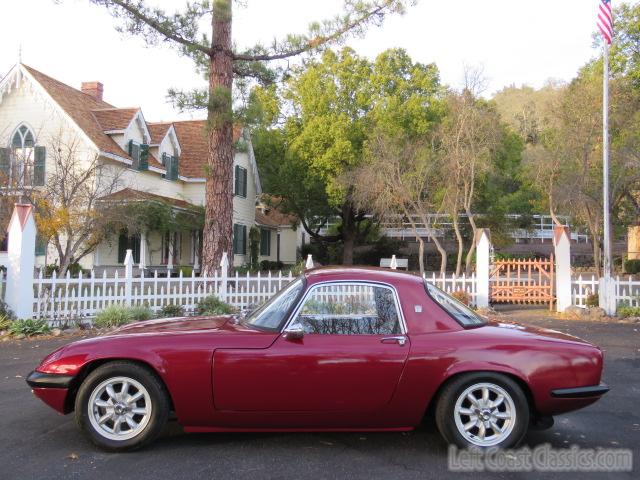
(562, 246)
(483, 249)
(309, 264)
(21, 258)
(128, 276)
(607, 295)
(224, 276)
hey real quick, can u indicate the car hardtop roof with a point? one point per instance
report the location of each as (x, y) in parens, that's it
(374, 274)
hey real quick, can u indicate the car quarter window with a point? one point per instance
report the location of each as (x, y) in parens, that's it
(349, 309)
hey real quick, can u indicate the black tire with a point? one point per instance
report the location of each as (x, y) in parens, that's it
(157, 396)
(446, 415)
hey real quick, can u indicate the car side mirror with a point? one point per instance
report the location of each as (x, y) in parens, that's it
(294, 332)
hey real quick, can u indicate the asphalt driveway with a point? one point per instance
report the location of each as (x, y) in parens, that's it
(35, 442)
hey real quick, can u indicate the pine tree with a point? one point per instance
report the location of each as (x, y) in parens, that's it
(214, 53)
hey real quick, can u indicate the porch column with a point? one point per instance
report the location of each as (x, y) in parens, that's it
(562, 245)
(483, 250)
(196, 249)
(171, 245)
(143, 250)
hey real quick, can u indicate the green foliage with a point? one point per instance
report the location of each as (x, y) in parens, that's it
(254, 247)
(186, 270)
(625, 311)
(154, 215)
(5, 322)
(5, 311)
(117, 315)
(269, 265)
(632, 266)
(172, 310)
(29, 327)
(212, 305)
(592, 300)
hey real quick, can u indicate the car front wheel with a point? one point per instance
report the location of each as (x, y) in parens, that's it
(483, 410)
(121, 406)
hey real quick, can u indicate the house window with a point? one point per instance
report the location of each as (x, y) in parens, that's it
(139, 153)
(170, 163)
(265, 242)
(239, 239)
(128, 242)
(41, 245)
(240, 186)
(23, 163)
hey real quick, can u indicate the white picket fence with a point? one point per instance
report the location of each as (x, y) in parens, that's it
(627, 290)
(70, 297)
(452, 283)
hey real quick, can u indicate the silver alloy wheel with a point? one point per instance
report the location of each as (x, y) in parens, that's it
(485, 414)
(119, 408)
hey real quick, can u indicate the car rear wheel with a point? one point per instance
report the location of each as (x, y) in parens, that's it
(483, 410)
(121, 406)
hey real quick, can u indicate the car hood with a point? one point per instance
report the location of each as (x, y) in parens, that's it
(514, 329)
(180, 325)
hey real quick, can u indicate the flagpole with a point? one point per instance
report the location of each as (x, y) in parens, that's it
(605, 183)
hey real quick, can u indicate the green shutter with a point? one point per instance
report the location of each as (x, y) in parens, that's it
(174, 164)
(134, 153)
(40, 158)
(236, 237)
(244, 239)
(244, 182)
(236, 188)
(265, 242)
(41, 245)
(5, 163)
(143, 163)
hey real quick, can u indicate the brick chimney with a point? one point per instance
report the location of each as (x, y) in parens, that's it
(94, 89)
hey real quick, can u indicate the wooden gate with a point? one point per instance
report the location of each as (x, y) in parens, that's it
(523, 281)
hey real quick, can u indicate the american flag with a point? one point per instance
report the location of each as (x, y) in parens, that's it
(605, 20)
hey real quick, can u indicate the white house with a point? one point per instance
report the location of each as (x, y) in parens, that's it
(158, 162)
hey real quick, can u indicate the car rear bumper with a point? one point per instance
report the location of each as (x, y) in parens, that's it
(581, 392)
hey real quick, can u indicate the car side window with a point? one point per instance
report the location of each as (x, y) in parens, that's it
(349, 309)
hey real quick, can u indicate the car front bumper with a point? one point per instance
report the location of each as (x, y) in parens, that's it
(51, 388)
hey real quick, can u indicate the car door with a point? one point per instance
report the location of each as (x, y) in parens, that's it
(349, 358)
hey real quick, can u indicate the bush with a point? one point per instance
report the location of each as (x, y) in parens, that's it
(113, 316)
(632, 266)
(117, 315)
(5, 311)
(186, 270)
(29, 327)
(5, 322)
(266, 265)
(592, 300)
(462, 296)
(626, 311)
(172, 311)
(212, 305)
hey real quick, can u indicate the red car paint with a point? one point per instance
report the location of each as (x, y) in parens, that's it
(225, 376)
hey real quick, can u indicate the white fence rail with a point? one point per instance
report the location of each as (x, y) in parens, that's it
(70, 297)
(627, 290)
(452, 283)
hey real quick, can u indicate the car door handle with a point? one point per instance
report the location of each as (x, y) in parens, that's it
(400, 340)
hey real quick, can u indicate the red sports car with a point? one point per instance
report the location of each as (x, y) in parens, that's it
(336, 349)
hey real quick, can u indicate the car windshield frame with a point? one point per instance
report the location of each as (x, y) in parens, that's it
(457, 310)
(298, 282)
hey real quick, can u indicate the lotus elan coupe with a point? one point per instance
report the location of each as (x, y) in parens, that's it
(337, 349)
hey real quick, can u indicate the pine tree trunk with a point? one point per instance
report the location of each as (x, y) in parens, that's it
(218, 236)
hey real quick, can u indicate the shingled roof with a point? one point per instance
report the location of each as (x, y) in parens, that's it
(115, 118)
(79, 107)
(133, 195)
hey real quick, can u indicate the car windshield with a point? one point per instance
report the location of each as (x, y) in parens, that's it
(463, 314)
(272, 313)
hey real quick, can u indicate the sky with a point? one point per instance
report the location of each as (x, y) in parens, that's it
(513, 41)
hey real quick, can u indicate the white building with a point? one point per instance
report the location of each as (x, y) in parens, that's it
(158, 162)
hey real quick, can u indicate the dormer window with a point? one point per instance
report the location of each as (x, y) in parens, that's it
(170, 163)
(139, 153)
(23, 163)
